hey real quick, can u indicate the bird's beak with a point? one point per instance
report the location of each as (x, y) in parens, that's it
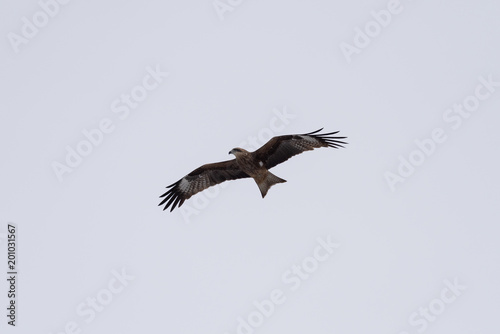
(229, 152)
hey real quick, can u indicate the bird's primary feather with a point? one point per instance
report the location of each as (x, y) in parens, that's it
(280, 149)
(200, 179)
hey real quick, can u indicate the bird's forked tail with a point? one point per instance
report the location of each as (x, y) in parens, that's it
(268, 182)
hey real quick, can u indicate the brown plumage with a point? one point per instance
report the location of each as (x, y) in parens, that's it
(248, 164)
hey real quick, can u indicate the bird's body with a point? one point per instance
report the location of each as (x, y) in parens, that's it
(255, 168)
(248, 164)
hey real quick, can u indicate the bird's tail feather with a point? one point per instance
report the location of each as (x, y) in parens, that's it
(268, 182)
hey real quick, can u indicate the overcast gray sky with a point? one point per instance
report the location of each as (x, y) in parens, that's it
(106, 103)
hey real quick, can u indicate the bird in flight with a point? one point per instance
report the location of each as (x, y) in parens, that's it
(248, 164)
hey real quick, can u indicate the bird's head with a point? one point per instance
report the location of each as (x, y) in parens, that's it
(237, 151)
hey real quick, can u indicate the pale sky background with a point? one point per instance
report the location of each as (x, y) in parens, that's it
(200, 269)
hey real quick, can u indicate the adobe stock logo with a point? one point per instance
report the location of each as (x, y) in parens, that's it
(94, 137)
(93, 305)
(294, 277)
(224, 6)
(31, 27)
(454, 116)
(429, 313)
(363, 37)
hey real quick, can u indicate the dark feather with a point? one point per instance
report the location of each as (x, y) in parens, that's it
(281, 148)
(200, 179)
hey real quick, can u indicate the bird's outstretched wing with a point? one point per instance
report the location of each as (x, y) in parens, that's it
(281, 148)
(200, 179)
